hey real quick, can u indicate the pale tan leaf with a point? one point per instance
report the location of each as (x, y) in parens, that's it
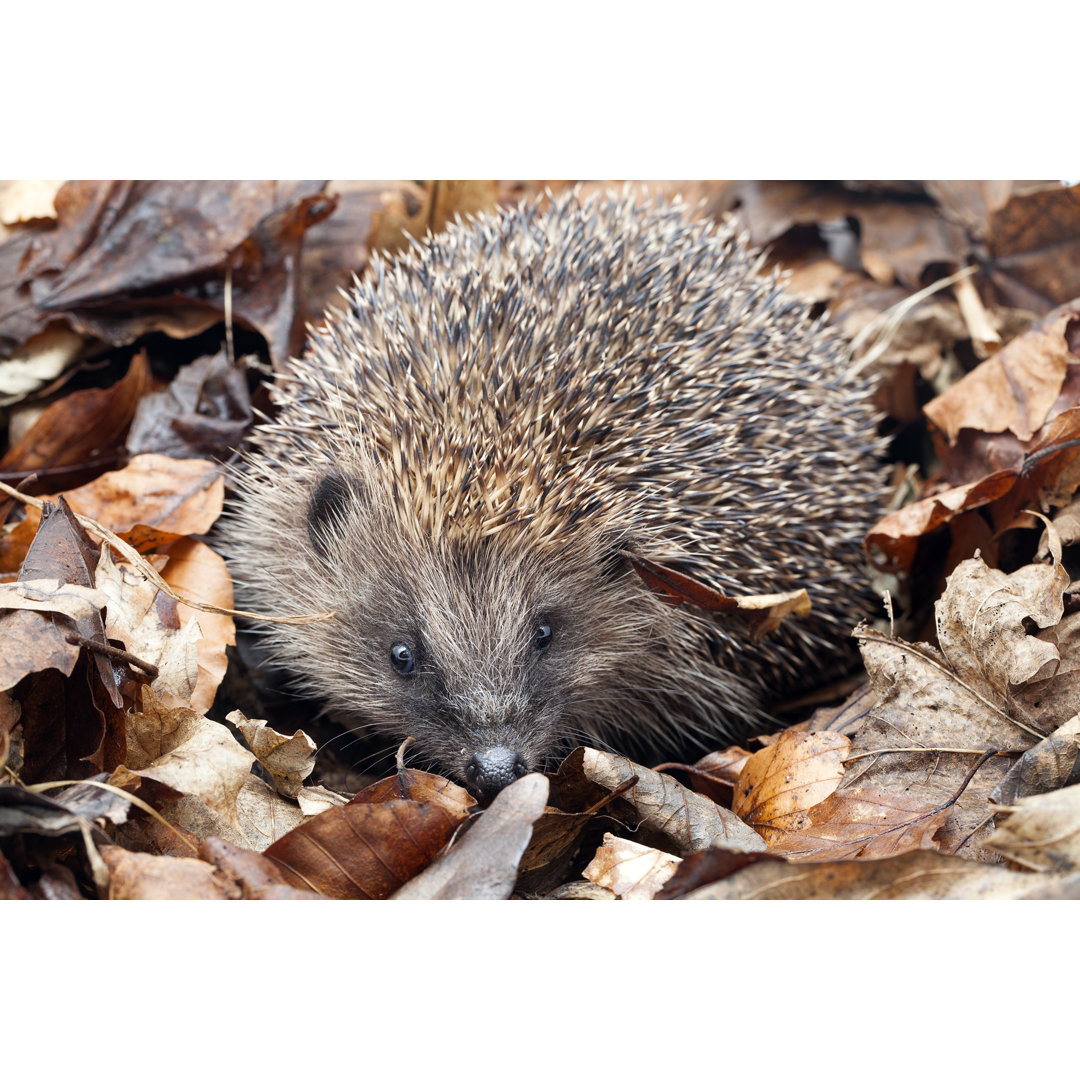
(630, 870)
(691, 820)
(916, 875)
(781, 782)
(1042, 832)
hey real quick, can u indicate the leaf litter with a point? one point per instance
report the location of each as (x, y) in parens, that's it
(950, 772)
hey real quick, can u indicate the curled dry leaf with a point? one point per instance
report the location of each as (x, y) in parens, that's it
(188, 753)
(1015, 390)
(994, 686)
(1041, 832)
(1050, 764)
(421, 787)
(764, 613)
(35, 639)
(255, 875)
(135, 876)
(80, 428)
(147, 624)
(1008, 434)
(690, 820)
(915, 875)
(484, 865)
(630, 870)
(780, 783)
(289, 759)
(197, 572)
(202, 413)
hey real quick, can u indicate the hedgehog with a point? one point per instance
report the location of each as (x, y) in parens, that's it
(468, 464)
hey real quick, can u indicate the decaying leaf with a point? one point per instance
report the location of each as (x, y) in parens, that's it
(289, 759)
(690, 820)
(1050, 764)
(363, 851)
(915, 875)
(484, 865)
(630, 870)
(780, 783)
(1041, 832)
(422, 787)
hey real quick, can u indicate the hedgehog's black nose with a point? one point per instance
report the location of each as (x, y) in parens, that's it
(491, 770)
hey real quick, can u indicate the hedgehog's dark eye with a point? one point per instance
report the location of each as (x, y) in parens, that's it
(543, 638)
(401, 658)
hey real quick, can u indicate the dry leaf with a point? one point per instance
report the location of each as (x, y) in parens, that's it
(1050, 764)
(916, 875)
(135, 876)
(864, 823)
(363, 851)
(422, 787)
(632, 871)
(780, 783)
(188, 753)
(484, 865)
(690, 820)
(289, 759)
(1041, 832)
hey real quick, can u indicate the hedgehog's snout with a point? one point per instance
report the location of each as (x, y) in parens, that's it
(491, 769)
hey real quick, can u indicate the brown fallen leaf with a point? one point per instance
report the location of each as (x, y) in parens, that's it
(202, 413)
(289, 759)
(146, 623)
(484, 864)
(171, 243)
(1050, 764)
(630, 870)
(780, 783)
(73, 693)
(1041, 832)
(1007, 675)
(764, 613)
(363, 851)
(690, 820)
(81, 429)
(915, 875)
(135, 876)
(419, 786)
(154, 500)
(1034, 248)
(189, 754)
(1017, 390)
(864, 823)
(257, 877)
(196, 571)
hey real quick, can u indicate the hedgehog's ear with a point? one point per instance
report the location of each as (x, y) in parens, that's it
(329, 510)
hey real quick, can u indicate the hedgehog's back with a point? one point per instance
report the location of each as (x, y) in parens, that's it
(608, 365)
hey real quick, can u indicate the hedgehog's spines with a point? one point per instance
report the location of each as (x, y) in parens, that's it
(535, 383)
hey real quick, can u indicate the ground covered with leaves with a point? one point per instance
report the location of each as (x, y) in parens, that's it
(144, 756)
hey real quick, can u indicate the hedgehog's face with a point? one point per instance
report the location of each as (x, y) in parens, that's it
(492, 656)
